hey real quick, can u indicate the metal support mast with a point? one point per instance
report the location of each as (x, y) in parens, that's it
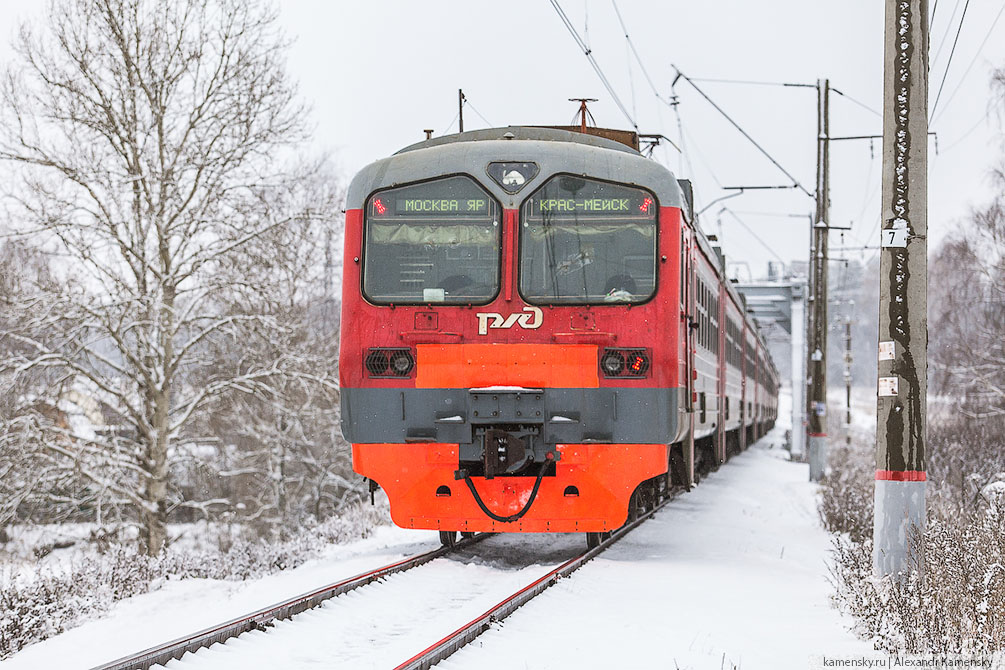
(818, 337)
(460, 111)
(847, 381)
(903, 299)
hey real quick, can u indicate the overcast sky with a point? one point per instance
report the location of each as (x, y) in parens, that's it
(378, 72)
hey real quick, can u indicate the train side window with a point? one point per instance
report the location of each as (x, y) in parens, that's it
(432, 242)
(702, 405)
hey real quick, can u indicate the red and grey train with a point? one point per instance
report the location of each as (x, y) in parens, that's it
(536, 335)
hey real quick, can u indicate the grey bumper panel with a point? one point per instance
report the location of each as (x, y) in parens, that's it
(565, 416)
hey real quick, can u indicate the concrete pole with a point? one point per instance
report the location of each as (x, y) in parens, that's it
(818, 343)
(808, 331)
(847, 381)
(903, 299)
(798, 373)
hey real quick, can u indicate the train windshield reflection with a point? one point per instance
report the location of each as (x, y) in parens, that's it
(584, 241)
(435, 242)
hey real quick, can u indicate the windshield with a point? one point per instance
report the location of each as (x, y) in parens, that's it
(588, 242)
(435, 242)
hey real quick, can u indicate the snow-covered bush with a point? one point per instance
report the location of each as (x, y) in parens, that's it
(955, 601)
(846, 493)
(956, 605)
(47, 603)
(51, 600)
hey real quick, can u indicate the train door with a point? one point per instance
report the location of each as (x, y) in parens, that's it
(720, 367)
(690, 328)
(691, 332)
(744, 383)
(682, 451)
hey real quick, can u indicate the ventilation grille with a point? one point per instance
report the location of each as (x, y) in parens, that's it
(389, 363)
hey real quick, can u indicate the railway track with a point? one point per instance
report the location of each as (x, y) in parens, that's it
(390, 609)
(266, 617)
(471, 630)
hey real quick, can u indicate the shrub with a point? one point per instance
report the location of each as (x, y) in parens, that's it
(954, 601)
(48, 602)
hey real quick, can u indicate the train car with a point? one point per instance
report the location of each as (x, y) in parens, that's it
(535, 335)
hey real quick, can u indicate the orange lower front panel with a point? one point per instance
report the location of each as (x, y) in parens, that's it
(603, 474)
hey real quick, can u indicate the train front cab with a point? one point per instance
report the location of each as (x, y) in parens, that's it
(500, 350)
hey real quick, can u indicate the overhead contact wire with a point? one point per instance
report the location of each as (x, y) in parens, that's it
(972, 61)
(753, 234)
(795, 182)
(638, 59)
(593, 62)
(949, 63)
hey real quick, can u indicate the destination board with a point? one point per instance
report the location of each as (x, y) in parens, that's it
(640, 205)
(439, 207)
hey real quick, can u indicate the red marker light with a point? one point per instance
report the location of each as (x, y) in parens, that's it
(637, 364)
(379, 206)
(644, 207)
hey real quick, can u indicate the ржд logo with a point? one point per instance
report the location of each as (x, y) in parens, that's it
(529, 318)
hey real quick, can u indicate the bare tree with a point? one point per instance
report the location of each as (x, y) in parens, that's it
(967, 303)
(285, 458)
(147, 136)
(967, 320)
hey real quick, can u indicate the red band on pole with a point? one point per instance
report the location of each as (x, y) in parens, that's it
(818, 434)
(901, 476)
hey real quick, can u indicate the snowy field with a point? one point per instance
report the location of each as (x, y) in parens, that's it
(730, 575)
(182, 607)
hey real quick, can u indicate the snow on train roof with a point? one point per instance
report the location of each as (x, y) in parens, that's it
(554, 151)
(535, 133)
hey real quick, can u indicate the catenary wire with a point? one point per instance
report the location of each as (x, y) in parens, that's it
(945, 35)
(972, 62)
(967, 134)
(795, 182)
(752, 233)
(748, 82)
(701, 159)
(593, 62)
(949, 63)
(631, 77)
(785, 84)
(684, 155)
(858, 102)
(638, 58)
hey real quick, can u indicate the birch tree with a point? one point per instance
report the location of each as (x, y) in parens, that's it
(146, 136)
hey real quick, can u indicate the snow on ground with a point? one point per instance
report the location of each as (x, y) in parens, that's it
(381, 625)
(732, 574)
(186, 606)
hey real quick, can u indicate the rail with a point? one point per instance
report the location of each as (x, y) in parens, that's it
(263, 618)
(469, 631)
